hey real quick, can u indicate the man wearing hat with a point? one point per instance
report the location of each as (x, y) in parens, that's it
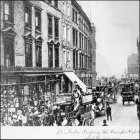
(104, 123)
(108, 112)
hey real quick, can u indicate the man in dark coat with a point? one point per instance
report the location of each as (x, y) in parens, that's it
(108, 112)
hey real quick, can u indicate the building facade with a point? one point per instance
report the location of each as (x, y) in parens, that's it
(132, 63)
(84, 45)
(43, 44)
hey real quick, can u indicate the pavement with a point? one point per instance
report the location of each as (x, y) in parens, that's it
(121, 115)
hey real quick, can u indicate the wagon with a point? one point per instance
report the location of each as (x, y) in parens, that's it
(127, 94)
(72, 116)
(83, 115)
(111, 97)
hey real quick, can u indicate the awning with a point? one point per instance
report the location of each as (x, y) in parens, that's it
(74, 78)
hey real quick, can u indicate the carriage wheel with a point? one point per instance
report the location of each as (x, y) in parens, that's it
(91, 122)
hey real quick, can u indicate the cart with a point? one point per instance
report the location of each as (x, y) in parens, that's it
(87, 118)
(73, 117)
(111, 97)
(127, 93)
(100, 109)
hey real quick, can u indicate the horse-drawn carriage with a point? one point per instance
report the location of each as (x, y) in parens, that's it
(128, 93)
(83, 116)
(111, 97)
(79, 111)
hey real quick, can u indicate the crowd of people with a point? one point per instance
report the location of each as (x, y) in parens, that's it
(34, 110)
(18, 108)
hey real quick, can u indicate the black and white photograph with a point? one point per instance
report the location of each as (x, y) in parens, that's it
(69, 69)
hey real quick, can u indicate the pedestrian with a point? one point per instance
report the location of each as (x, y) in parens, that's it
(51, 119)
(104, 123)
(108, 112)
(55, 111)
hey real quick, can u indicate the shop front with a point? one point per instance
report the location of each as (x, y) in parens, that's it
(25, 91)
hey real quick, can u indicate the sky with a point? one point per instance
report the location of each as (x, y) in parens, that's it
(117, 29)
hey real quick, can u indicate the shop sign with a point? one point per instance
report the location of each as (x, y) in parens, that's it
(63, 98)
(87, 98)
(86, 75)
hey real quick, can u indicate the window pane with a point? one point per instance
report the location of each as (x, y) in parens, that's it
(28, 17)
(50, 55)
(73, 58)
(38, 21)
(7, 9)
(50, 1)
(68, 33)
(38, 56)
(9, 52)
(28, 55)
(56, 57)
(64, 31)
(73, 13)
(73, 36)
(56, 28)
(56, 3)
(50, 25)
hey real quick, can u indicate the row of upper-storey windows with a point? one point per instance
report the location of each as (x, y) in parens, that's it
(53, 2)
(83, 25)
(28, 17)
(8, 16)
(81, 61)
(80, 21)
(53, 22)
(84, 43)
(9, 55)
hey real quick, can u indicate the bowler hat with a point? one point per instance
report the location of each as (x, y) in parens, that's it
(104, 121)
